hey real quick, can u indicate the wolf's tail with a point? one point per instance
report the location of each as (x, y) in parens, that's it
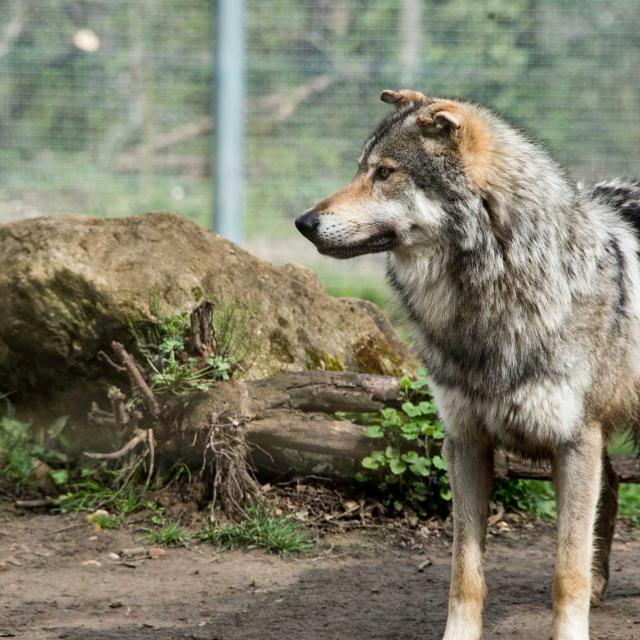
(624, 196)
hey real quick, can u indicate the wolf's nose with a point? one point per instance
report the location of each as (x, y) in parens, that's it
(307, 223)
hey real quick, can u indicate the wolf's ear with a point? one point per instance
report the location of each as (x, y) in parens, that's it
(403, 97)
(442, 120)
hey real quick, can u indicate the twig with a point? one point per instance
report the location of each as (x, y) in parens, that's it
(151, 444)
(69, 527)
(100, 417)
(103, 356)
(140, 382)
(35, 504)
(117, 399)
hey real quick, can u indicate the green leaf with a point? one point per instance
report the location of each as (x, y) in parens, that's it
(427, 407)
(390, 417)
(397, 466)
(419, 383)
(405, 383)
(410, 430)
(410, 456)
(374, 431)
(59, 476)
(397, 505)
(411, 409)
(370, 463)
(420, 489)
(361, 477)
(391, 453)
(439, 463)
(430, 430)
(420, 467)
(388, 413)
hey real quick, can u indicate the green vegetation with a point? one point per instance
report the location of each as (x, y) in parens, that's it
(21, 450)
(529, 496)
(407, 468)
(74, 134)
(629, 502)
(169, 358)
(263, 529)
(102, 488)
(374, 290)
(166, 532)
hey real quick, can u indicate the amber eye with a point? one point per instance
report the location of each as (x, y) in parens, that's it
(382, 173)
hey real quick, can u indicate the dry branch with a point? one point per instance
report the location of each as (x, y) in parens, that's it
(136, 376)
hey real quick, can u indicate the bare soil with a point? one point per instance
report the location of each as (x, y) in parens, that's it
(59, 578)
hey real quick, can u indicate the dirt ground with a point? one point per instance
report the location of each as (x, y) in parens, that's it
(61, 579)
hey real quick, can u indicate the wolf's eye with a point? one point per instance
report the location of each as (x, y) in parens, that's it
(382, 173)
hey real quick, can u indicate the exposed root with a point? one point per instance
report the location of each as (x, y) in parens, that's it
(225, 451)
(225, 458)
(140, 437)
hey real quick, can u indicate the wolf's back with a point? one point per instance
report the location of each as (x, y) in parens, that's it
(622, 195)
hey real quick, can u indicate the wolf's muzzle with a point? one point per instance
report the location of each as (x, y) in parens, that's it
(307, 224)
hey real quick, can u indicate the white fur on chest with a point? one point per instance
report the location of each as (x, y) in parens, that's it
(536, 416)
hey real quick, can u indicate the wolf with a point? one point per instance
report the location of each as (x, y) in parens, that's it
(523, 290)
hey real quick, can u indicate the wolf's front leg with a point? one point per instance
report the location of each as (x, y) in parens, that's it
(577, 472)
(470, 464)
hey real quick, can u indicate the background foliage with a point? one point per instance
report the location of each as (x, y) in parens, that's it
(125, 127)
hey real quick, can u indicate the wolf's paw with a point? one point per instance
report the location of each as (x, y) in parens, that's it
(462, 630)
(571, 630)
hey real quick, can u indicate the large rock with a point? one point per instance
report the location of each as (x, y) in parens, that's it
(69, 285)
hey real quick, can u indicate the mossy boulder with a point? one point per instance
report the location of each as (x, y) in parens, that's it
(70, 285)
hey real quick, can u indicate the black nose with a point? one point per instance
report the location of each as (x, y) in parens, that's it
(307, 223)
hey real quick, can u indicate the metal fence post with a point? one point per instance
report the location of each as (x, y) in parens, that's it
(228, 105)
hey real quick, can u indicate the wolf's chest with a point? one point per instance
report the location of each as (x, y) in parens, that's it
(536, 416)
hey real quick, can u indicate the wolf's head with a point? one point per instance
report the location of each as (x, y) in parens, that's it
(429, 162)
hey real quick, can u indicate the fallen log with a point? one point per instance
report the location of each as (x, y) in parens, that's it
(290, 420)
(291, 424)
(627, 468)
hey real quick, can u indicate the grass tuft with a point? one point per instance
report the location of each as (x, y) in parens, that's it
(263, 529)
(170, 534)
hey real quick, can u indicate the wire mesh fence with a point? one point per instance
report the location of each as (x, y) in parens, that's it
(105, 105)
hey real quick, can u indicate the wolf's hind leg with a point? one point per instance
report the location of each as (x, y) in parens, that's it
(604, 530)
(577, 472)
(470, 465)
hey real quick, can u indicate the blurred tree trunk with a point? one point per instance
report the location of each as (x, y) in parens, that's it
(410, 39)
(139, 13)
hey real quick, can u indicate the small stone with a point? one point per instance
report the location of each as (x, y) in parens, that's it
(424, 564)
(155, 553)
(130, 552)
(113, 556)
(91, 563)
